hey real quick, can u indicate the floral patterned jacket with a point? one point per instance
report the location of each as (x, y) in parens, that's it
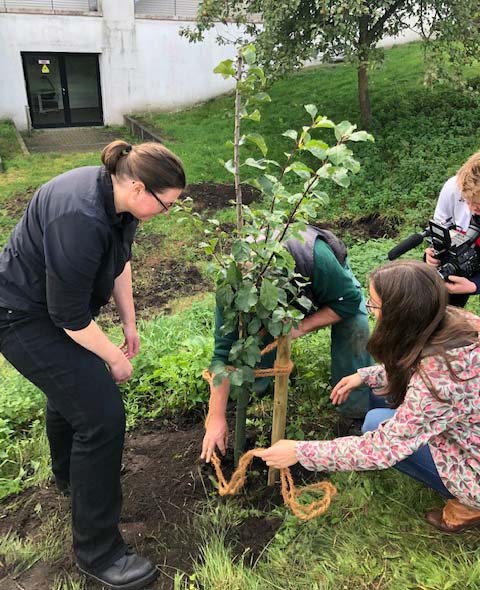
(449, 425)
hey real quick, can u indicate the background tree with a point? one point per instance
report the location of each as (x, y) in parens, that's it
(292, 31)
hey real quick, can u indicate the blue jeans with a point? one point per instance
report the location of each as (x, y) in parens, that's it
(420, 465)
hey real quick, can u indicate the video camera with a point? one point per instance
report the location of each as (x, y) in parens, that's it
(457, 251)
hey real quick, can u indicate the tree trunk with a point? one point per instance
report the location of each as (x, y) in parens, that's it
(365, 44)
(363, 95)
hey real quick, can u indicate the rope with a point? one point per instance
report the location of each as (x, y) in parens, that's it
(290, 493)
(277, 370)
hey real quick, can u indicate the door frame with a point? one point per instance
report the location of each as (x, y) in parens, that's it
(64, 84)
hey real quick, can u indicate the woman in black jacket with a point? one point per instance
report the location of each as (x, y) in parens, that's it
(65, 258)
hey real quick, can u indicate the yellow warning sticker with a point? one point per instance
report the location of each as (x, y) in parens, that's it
(45, 69)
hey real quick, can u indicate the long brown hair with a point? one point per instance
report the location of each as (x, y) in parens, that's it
(152, 163)
(414, 322)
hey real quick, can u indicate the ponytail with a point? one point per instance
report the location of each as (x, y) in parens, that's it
(152, 163)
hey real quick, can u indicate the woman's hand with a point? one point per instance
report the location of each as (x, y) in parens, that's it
(121, 369)
(343, 389)
(281, 454)
(216, 435)
(131, 344)
(430, 257)
(460, 285)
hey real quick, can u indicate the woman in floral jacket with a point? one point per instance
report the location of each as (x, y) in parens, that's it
(425, 419)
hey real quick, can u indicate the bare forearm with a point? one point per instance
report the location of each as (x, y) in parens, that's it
(320, 319)
(123, 296)
(217, 407)
(95, 340)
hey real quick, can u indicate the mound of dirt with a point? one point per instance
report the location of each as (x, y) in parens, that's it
(213, 196)
(165, 486)
(370, 226)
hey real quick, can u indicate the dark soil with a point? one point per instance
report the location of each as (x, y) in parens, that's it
(213, 196)
(362, 228)
(165, 486)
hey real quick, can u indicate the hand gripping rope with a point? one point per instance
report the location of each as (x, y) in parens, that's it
(290, 493)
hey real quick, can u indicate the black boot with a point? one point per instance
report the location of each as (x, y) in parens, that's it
(130, 572)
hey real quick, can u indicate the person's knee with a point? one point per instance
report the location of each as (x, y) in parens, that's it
(107, 423)
(373, 419)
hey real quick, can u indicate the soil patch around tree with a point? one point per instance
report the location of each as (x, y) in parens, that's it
(165, 488)
(212, 196)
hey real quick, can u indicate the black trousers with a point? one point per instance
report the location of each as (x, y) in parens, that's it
(85, 428)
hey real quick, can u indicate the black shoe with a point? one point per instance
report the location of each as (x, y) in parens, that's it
(130, 572)
(348, 427)
(63, 487)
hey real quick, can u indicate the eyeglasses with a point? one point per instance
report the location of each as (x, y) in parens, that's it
(370, 306)
(167, 207)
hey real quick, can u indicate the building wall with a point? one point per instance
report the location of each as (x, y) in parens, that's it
(144, 63)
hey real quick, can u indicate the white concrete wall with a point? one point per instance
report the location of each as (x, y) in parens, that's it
(144, 63)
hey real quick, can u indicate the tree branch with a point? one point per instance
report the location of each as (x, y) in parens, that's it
(378, 26)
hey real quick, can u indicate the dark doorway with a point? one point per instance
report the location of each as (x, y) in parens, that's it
(63, 89)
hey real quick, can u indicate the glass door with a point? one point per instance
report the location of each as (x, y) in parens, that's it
(83, 84)
(63, 89)
(45, 89)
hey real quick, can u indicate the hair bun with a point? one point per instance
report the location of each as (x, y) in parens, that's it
(126, 150)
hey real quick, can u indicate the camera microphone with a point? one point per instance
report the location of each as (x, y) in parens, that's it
(407, 244)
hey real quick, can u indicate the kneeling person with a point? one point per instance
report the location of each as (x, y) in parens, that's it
(337, 302)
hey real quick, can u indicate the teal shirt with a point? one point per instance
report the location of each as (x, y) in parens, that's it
(333, 286)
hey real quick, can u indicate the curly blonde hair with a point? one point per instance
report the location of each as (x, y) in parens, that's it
(468, 178)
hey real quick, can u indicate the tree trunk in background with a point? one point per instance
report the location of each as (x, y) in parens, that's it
(363, 95)
(364, 46)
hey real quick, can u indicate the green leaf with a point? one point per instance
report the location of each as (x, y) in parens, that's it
(361, 136)
(311, 110)
(304, 302)
(241, 251)
(224, 296)
(317, 148)
(259, 73)
(275, 328)
(259, 98)
(225, 68)
(247, 297)
(291, 133)
(229, 166)
(341, 177)
(344, 129)
(253, 116)
(300, 169)
(254, 326)
(269, 295)
(234, 276)
(248, 375)
(338, 154)
(260, 164)
(323, 123)
(236, 377)
(249, 54)
(259, 141)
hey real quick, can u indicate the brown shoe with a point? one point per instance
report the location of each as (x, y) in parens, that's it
(454, 518)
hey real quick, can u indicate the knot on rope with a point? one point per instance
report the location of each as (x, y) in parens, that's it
(276, 370)
(290, 493)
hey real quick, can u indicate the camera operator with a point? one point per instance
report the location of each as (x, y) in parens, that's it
(459, 199)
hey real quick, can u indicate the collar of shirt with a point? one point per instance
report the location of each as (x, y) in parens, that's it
(106, 195)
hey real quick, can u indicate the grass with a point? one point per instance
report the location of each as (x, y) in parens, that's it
(422, 135)
(373, 537)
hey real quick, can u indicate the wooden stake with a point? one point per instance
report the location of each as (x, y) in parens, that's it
(280, 398)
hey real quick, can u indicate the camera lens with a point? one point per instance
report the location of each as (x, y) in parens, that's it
(448, 269)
